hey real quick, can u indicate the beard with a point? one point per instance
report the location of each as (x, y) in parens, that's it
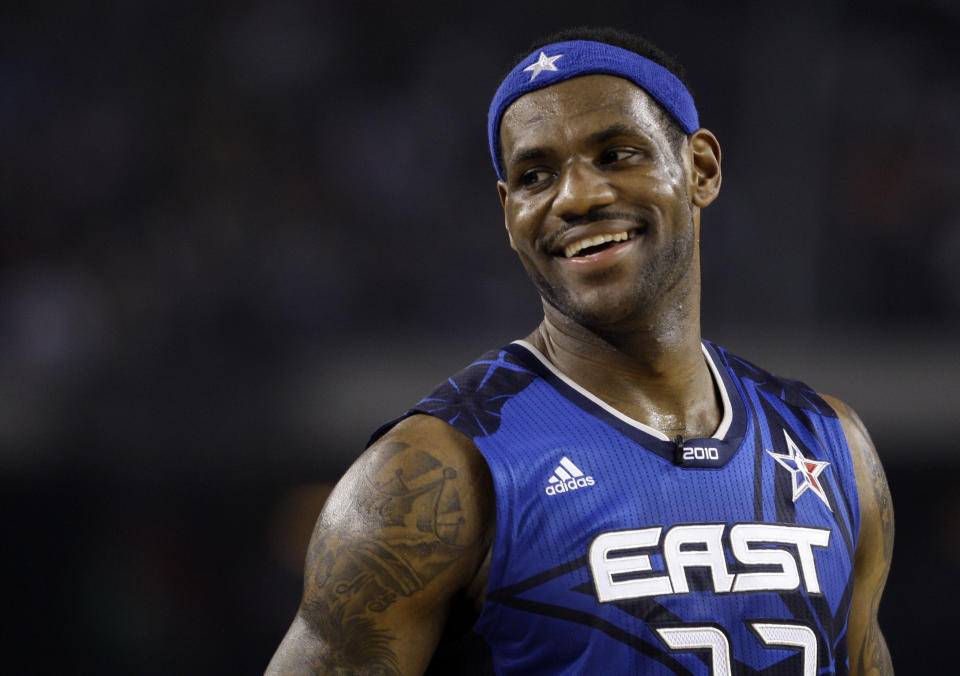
(652, 285)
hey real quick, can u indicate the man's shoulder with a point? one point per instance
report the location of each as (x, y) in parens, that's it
(402, 536)
(858, 438)
(421, 445)
(502, 368)
(795, 393)
(470, 401)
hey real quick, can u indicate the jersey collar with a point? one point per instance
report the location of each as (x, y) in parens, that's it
(714, 451)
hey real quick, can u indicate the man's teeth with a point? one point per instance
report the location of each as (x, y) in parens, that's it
(575, 248)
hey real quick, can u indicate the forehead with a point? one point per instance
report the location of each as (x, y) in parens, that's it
(581, 104)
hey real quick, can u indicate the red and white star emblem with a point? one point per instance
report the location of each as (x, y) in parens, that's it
(803, 472)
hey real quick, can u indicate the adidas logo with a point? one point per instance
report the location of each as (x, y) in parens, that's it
(567, 477)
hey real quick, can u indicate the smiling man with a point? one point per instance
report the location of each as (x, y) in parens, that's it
(613, 494)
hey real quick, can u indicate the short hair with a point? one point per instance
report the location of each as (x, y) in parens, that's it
(633, 43)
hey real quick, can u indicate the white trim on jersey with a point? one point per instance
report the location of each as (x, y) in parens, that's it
(725, 422)
(727, 419)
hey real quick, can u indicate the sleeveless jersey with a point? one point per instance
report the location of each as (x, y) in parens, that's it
(621, 551)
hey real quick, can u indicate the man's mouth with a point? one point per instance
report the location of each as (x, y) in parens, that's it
(596, 243)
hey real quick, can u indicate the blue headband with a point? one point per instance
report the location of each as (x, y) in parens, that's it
(564, 60)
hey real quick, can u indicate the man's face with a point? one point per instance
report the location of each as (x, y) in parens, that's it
(597, 203)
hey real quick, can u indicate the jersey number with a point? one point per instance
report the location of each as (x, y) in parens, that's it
(714, 639)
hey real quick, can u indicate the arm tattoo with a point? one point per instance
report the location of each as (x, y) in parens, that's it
(878, 484)
(412, 501)
(874, 655)
(882, 492)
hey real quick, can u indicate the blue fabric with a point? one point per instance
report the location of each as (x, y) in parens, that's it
(543, 613)
(584, 57)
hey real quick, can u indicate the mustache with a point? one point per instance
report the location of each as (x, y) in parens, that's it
(594, 216)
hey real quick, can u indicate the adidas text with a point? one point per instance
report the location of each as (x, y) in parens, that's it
(569, 485)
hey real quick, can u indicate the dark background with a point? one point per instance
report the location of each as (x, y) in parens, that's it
(237, 236)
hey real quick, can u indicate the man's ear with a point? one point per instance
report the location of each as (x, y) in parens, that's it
(502, 190)
(706, 176)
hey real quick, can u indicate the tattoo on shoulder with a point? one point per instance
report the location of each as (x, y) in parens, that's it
(881, 491)
(413, 500)
(874, 657)
(878, 483)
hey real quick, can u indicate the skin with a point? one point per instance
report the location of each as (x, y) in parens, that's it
(868, 649)
(398, 550)
(590, 155)
(402, 547)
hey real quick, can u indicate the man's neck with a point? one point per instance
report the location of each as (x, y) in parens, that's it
(653, 373)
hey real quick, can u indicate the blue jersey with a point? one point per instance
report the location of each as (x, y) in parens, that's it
(621, 551)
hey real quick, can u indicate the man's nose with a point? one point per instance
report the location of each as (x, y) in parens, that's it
(583, 187)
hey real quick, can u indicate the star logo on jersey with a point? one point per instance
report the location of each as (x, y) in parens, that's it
(543, 63)
(804, 472)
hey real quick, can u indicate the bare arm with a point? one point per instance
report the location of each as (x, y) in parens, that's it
(403, 533)
(868, 649)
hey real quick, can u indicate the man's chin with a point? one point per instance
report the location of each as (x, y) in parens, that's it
(599, 315)
(599, 308)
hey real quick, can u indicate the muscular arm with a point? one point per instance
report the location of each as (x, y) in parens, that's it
(402, 534)
(868, 649)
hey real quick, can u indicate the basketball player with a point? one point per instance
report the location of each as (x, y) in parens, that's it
(612, 494)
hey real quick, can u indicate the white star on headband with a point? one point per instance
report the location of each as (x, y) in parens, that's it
(543, 63)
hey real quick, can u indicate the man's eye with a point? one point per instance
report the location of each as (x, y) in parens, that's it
(534, 176)
(615, 155)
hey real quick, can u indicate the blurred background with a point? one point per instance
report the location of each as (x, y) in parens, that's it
(238, 236)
